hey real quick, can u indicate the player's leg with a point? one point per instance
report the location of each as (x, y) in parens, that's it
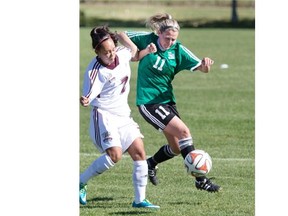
(139, 176)
(178, 136)
(179, 139)
(97, 167)
(109, 144)
(131, 137)
(158, 115)
(177, 128)
(174, 130)
(163, 154)
(140, 169)
(101, 164)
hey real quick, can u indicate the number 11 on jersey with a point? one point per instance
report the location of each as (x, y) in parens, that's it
(156, 65)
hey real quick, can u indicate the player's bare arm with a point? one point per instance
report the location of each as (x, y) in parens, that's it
(205, 65)
(125, 41)
(151, 48)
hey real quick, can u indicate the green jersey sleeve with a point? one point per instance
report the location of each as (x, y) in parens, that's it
(186, 59)
(141, 39)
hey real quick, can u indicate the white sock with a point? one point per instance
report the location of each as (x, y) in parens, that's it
(140, 176)
(98, 166)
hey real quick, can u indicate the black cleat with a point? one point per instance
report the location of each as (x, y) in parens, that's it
(152, 175)
(207, 185)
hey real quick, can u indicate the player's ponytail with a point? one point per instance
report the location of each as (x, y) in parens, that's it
(100, 34)
(162, 22)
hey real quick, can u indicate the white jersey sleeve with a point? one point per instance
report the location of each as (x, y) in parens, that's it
(93, 81)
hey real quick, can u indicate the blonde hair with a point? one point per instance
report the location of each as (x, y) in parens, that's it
(162, 22)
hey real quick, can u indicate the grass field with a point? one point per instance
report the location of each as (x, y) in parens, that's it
(218, 108)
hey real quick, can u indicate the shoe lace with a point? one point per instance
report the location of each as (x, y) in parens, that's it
(206, 182)
(151, 172)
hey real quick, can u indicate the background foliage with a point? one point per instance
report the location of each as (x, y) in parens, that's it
(211, 13)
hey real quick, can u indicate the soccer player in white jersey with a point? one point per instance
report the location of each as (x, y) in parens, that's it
(112, 130)
(155, 97)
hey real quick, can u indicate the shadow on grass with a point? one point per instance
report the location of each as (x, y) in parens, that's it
(103, 203)
(101, 199)
(138, 212)
(98, 202)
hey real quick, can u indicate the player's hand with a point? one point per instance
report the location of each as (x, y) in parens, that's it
(206, 64)
(151, 48)
(84, 101)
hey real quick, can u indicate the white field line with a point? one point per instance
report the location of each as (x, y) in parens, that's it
(220, 159)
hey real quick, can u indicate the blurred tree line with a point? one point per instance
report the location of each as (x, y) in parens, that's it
(234, 20)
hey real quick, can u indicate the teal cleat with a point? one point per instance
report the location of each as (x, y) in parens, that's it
(145, 204)
(83, 193)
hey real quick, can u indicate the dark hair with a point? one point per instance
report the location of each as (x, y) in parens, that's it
(100, 34)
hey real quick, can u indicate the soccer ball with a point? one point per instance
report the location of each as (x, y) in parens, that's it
(198, 163)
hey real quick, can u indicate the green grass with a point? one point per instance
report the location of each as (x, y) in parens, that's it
(219, 109)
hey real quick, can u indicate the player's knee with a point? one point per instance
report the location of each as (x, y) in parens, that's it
(115, 154)
(139, 156)
(137, 151)
(184, 133)
(116, 157)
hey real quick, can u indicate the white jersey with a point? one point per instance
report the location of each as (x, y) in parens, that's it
(108, 89)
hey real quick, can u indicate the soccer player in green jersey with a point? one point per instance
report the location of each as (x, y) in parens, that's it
(155, 98)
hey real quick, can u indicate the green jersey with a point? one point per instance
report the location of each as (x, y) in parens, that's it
(156, 71)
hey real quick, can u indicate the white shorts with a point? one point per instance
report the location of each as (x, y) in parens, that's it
(108, 130)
